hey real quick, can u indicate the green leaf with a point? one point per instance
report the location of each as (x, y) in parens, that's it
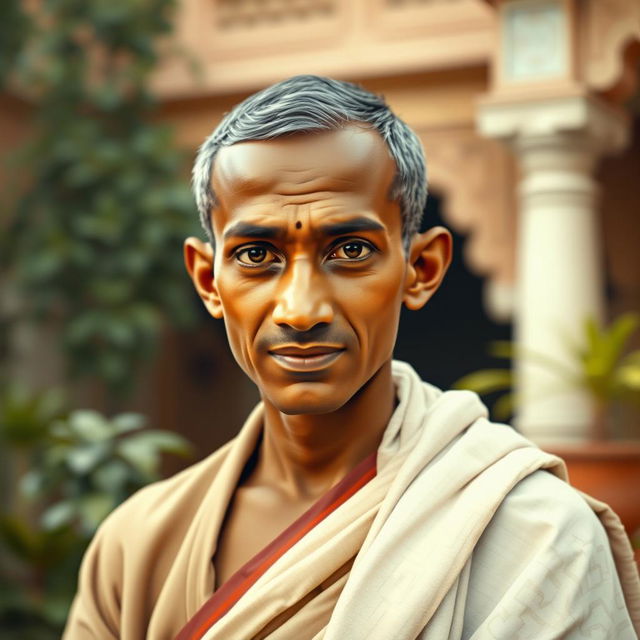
(61, 429)
(94, 508)
(112, 477)
(142, 450)
(619, 333)
(59, 515)
(503, 407)
(25, 415)
(113, 366)
(121, 333)
(593, 336)
(126, 422)
(141, 457)
(486, 381)
(502, 349)
(628, 377)
(165, 441)
(82, 328)
(52, 403)
(85, 458)
(90, 425)
(33, 483)
(56, 608)
(56, 455)
(603, 353)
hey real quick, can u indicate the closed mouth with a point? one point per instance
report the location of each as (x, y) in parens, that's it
(309, 358)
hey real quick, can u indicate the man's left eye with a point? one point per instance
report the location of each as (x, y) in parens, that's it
(352, 250)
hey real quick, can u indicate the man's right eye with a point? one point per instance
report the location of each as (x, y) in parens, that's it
(255, 256)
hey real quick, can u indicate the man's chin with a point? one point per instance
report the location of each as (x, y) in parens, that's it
(308, 399)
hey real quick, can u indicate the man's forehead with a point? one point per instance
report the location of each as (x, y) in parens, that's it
(349, 155)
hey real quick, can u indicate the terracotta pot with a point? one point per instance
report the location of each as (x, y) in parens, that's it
(610, 472)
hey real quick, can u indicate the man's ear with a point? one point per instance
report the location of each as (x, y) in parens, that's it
(429, 259)
(198, 258)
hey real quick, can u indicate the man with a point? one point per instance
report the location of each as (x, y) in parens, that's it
(356, 501)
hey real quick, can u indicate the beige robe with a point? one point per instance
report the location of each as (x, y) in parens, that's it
(460, 535)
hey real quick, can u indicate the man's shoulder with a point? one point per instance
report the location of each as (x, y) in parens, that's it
(544, 563)
(551, 501)
(544, 527)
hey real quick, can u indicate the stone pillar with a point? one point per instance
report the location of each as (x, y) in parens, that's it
(559, 263)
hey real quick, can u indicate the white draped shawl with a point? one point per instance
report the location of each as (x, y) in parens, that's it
(444, 470)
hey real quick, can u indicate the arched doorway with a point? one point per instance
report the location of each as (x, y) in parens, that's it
(449, 336)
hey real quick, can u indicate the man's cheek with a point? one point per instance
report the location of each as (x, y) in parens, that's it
(372, 308)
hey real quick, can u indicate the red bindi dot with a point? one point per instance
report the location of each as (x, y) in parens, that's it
(298, 225)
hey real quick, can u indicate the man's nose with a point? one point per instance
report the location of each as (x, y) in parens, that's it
(302, 300)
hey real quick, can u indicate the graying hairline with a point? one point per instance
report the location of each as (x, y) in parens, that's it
(210, 201)
(274, 112)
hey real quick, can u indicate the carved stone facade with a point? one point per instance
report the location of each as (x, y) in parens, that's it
(243, 44)
(610, 45)
(482, 207)
(247, 15)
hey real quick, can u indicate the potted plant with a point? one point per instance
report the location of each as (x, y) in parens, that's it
(607, 464)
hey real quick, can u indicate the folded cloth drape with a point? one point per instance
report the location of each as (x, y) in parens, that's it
(461, 534)
(411, 576)
(443, 472)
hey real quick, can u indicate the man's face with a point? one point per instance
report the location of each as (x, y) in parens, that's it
(309, 266)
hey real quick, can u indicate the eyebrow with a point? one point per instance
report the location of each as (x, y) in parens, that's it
(247, 229)
(351, 226)
(250, 230)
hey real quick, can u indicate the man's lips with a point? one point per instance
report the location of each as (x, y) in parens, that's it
(308, 358)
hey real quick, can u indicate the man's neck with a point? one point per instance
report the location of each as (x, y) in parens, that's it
(304, 455)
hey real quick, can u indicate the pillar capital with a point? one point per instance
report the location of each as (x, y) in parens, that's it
(572, 120)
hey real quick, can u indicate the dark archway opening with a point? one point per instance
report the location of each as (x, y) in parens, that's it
(448, 338)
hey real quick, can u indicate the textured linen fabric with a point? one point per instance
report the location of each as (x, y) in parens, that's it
(461, 534)
(569, 574)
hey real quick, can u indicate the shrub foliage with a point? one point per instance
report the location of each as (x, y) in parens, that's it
(94, 232)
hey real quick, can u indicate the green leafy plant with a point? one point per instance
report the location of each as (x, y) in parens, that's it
(74, 469)
(604, 370)
(92, 464)
(94, 211)
(92, 238)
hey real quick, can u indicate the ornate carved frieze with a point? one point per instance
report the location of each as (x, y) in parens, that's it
(475, 176)
(610, 45)
(406, 3)
(241, 45)
(249, 14)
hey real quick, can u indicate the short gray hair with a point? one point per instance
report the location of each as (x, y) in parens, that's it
(314, 103)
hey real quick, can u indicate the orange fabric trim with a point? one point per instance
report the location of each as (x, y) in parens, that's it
(230, 592)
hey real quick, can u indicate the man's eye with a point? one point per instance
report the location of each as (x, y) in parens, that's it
(255, 256)
(352, 250)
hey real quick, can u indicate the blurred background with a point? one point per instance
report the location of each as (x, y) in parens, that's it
(529, 112)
